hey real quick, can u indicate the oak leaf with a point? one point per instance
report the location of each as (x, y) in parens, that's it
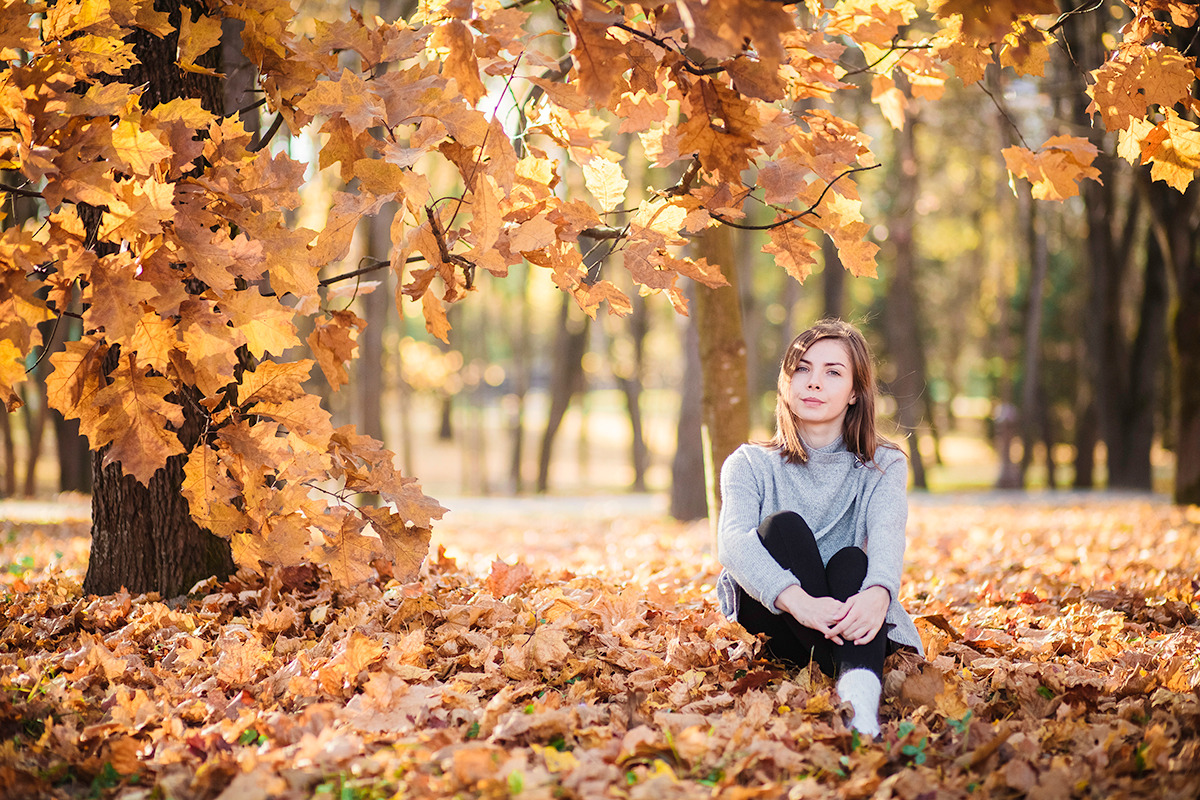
(115, 296)
(460, 62)
(137, 149)
(12, 372)
(599, 59)
(333, 342)
(505, 579)
(606, 181)
(406, 544)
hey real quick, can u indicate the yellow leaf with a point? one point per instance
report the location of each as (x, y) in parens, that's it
(607, 183)
(436, 321)
(210, 492)
(333, 341)
(196, 39)
(138, 149)
(12, 372)
(154, 338)
(890, 99)
(264, 321)
(1056, 168)
(1173, 150)
(274, 383)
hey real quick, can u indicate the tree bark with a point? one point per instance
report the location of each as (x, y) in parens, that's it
(689, 499)
(833, 280)
(725, 416)
(1175, 221)
(630, 384)
(143, 538)
(901, 311)
(1033, 406)
(566, 378)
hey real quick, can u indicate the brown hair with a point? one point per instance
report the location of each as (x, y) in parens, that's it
(858, 430)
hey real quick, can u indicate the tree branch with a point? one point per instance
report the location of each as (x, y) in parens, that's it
(688, 63)
(265, 140)
(810, 210)
(18, 191)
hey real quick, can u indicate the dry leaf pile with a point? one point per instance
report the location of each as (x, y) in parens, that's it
(1064, 661)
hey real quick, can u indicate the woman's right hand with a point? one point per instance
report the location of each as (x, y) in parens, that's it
(819, 613)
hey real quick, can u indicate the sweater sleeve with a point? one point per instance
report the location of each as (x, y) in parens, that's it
(886, 518)
(739, 549)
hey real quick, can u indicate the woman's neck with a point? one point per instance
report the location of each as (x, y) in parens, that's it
(819, 436)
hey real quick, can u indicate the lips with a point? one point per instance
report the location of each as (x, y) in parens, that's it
(812, 401)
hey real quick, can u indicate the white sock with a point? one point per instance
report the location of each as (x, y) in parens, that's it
(860, 688)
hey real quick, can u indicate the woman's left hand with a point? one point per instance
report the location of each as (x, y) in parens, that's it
(865, 613)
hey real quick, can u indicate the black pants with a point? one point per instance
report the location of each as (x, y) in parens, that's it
(790, 541)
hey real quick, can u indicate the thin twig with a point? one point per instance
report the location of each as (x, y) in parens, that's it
(884, 57)
(45, 347)
(1004, 113)
(1085, 7)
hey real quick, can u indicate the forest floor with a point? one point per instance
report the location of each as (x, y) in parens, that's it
(572, 649)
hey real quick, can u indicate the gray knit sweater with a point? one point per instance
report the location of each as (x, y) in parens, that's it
(843, 501)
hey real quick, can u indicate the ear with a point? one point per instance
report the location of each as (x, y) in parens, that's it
(853, 399)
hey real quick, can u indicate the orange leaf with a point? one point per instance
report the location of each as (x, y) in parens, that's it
(1056, 168)
(333, 342)
(504, 579)
(793, 250)
(134, 416)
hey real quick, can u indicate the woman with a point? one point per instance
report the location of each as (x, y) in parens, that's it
(811, 531)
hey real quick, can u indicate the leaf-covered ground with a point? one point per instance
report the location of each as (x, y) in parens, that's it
(1064, 661)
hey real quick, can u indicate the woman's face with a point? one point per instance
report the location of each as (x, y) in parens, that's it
(822, 387)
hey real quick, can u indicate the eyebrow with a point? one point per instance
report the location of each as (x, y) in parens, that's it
(826, 364)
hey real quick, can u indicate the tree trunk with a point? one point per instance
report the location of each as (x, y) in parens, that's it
(1033, 406)
(566, 377)
(631, 386)
(901, 311)
(1176, 218)
(143, 538)
(725, 416)
(1129, 465)
(368, 383)
(833, 280)
(521, 369)
(689, 500)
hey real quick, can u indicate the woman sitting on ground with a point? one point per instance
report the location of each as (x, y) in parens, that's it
(811, 531)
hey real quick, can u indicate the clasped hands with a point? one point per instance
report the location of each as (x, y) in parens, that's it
(857, 620)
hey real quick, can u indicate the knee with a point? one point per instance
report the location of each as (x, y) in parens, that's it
(781, 523)
(849, 561)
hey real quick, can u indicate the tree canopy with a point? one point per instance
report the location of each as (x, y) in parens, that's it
(193, 278)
